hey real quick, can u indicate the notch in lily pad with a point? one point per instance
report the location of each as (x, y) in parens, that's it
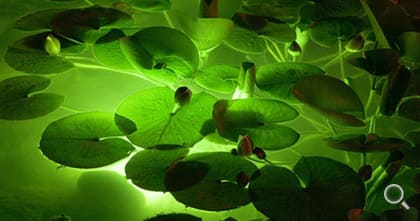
(246, 81)
(218, 78)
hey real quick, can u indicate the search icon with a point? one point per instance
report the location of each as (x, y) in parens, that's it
(394, 194)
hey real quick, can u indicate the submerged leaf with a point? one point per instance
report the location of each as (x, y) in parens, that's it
(159, 121)
(397, 84)
(410, 109)
(334, 187)
(245, 41)
(86, 140)
(18, 101)
(218, 78)
(363, 143)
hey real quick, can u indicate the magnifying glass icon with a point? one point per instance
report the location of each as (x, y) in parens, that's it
(394, 194)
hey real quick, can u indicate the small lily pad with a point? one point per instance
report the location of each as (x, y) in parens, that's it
(20, 98)
(397, 84)
(378, 62)
(153, 53)
(88, 24)
(279, 79)
(86, 140)
(218, 78)
(360, 143)
(174, 217)
(331, 96)
(147, 169)
(150, 6)
(257, 118)
(279, 32)
(245, 41)
(38, 20)
(281, 194)
(159, 121)
(410, 109)
(409, 43)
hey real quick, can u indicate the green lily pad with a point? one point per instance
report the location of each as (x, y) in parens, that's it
(245, 41)
(412, 153)
(150, 6)
(409, 43)
(336, 9)
(257, 118)
(86, 140)
(279, 79)
(18, 101)
(147, 169)
(88, 24)
(279, 32)
(174, 217)
(410, 109)
(37, 20)
(283, 10)
(153, 111)
(332, 186)
(381, 61)
(361, 143)
(208, 33)
(327, 32)
(218, 188)
(159, 56)
(218, 78)
(397, 84)
(332, 97)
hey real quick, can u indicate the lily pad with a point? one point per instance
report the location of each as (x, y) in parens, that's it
(397, 84)
(218, 78)
(409, 43)
(158, 56)
(279, 32)
(337, 9)
(147, 169)
(20, 98)
(245, 41)
(257, 118)
(174, 217)
(410, 109)
(333, 187)
(86, 140)
(208, 33)
(150, 6)
(327, 32)
(362, 143)
(279, 79)
(381, 61)
(159, 121)
(412, 153)
(332, 97)
(37, 20)
(88, 24)
(284, 10)
(218, 189)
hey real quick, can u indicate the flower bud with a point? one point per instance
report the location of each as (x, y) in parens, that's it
(245, 146)
(183, 96)
(52, 45)
(294, 49)
(355, 44)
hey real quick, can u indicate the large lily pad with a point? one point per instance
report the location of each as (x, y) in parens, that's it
(86, 140)
(279, 79)
(331, 96)
(410, 109)
(409, 43)
(147, 169)
(332, 186)
(159, 56)
(157, 123)
(20, 98)
(381, 61)
(37, 20)
(88, 24)
(279, 32)
(284, 10)
(397, 84)
(174, 217)
(245, 41)
(150, 6)
(218, 188)
(362, 143)
(218, 78)
(257, 118)
(336, 9)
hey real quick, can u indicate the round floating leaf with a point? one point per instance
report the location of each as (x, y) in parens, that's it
(332, 97)
(279, 32)
(397, 83)
(256, 118)
(159, 56)
(412, 154)
(410, 109)
(147, 169)
(150, 6)
(159, 121)
(326, 32)
(334, 187)
(218, 78)
(361, 143)
(37, 20)
(18, 101)
(218, 188)
(208, 33)
(409, 43)
(278, 79)
(174, 217)
(284, 10)
(340, 8)
(86, 140)
(245, 41)
(88, 24)
(381, 61)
